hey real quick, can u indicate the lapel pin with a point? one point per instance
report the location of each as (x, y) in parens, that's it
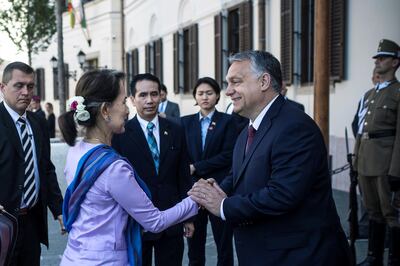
(165, 133)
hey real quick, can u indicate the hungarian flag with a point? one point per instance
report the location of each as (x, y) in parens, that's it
(71, 12)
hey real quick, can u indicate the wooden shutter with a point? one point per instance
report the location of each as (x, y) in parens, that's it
(246, 26)
(193, 57)
(218, 48)
(66, 80)
(176, 62)
(128, 63)
(261, 25)
(287, 41)
(55, 84)
(336, 42)
(147, 55)
(158, 58)
(135, 62)
(40, 83)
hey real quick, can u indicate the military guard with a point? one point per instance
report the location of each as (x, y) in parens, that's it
(377, 156)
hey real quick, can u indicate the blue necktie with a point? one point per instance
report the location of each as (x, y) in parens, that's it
(151, 140)
(205, 123)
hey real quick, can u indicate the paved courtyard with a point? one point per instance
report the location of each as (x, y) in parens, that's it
(53, 255)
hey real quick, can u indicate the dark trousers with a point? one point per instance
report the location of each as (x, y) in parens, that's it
(168, 251)
(222, 233)
(27, 249)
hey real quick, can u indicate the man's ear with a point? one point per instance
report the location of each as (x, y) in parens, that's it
(132, 99)
(265, 81)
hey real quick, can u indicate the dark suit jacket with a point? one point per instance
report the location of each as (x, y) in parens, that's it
(172, 110)
(40, 113)
(170, 186)
(280, 197)
(12, 171)
(51, 125)
(216, 159)
(298, 105)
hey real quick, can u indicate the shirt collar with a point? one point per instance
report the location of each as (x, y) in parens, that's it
(256, 123)
(14, 115)
(210, 115)
(143, 123)
(382, 85)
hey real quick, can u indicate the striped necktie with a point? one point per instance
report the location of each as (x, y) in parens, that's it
(151, 140)
(30, 195)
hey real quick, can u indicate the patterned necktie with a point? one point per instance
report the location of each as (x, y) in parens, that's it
(151, 140)
(30, 194)
(250, 137)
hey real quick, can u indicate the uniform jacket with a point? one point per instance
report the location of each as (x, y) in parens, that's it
(12, 171)
(280, 198)
(173, 181)
(216, 159)
(380, 156)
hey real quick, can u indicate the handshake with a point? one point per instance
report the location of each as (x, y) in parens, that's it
(208, 194)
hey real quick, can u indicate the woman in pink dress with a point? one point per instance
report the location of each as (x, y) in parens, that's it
(106, 204)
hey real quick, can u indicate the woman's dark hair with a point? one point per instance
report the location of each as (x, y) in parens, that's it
(209, 81)
(96, 87)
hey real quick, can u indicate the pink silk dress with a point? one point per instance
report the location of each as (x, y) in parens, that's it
(97, 236)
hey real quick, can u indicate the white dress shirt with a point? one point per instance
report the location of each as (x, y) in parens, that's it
(156, 130)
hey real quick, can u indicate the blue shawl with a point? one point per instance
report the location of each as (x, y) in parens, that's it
(90, 167)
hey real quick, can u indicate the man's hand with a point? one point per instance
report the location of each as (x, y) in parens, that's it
(188, 229)
(192, 169)
(208, 194)
(62, 228)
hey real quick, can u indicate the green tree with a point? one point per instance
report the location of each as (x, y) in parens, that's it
(30, 24)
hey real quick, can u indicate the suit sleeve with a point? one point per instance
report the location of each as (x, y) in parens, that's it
(224, 157)
(296, 156)
(54, 196)
(176, 113)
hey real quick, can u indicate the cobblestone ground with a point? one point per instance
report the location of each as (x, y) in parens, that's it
(52, 256)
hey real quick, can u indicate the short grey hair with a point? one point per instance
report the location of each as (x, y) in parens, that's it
(261, 62)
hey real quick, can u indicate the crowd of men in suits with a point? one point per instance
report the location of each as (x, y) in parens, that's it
(266, 183)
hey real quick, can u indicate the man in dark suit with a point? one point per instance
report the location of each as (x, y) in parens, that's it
(279, 196)
(27, 176)
(167, 109)
(36, 107)
(284, 92)
(156, 148)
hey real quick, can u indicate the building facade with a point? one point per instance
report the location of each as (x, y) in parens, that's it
(182, 40)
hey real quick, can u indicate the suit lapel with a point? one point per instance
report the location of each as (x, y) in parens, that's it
(165, 139)
(260, 134)
(12, 130)
(36, 136)
(211, 132)
(138, 137)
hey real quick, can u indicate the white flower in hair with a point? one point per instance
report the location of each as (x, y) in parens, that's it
(76, 104)
(82, 115)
